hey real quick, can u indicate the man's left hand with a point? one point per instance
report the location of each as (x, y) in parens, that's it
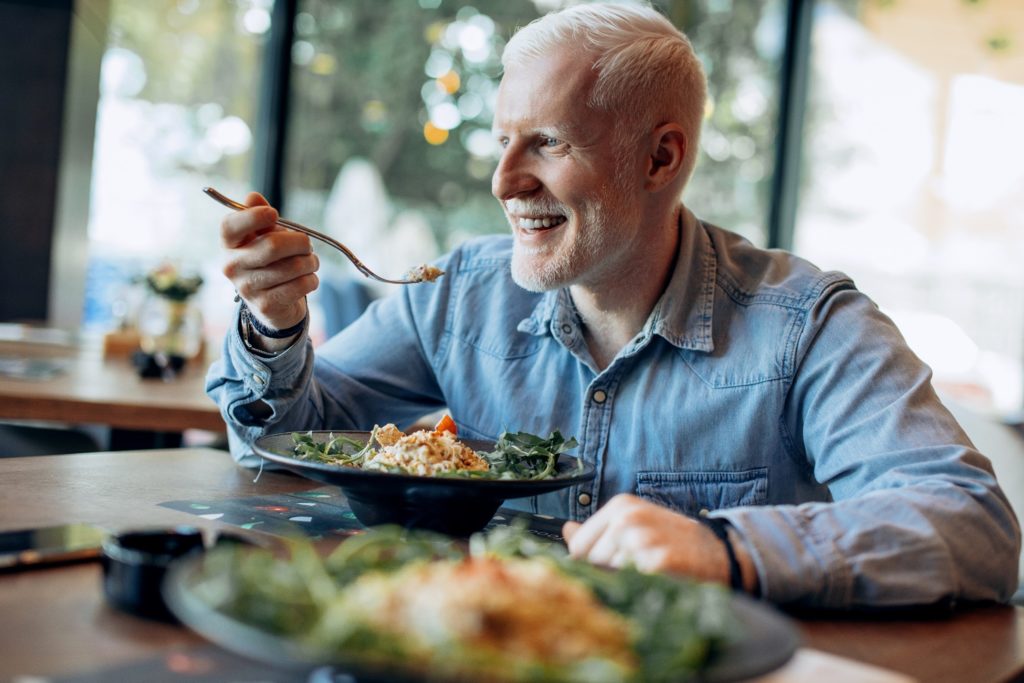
(630, 530)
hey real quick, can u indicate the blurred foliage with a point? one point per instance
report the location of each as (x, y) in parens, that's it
(359, 93)
(360, 88)
(197, 54)
(364, 91)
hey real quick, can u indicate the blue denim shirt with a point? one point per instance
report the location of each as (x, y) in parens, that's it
(761, 389)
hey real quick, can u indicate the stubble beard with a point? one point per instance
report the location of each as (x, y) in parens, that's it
(584, 257)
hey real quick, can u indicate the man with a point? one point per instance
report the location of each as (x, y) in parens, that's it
(705, 379)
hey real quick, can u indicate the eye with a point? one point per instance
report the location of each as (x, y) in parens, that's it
(503, 142)
(550, 142)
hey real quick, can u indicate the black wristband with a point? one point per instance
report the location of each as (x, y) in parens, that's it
(720, 528)
(252, 321)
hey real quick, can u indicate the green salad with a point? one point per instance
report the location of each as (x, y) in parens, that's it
(510, 608)
(517, 455)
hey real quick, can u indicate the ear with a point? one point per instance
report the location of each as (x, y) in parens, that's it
(668, 146)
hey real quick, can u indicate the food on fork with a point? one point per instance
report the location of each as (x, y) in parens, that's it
(424, 273)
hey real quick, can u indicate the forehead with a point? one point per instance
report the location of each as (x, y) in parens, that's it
(547, 93)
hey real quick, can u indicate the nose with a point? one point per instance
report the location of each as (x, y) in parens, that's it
(513, 175)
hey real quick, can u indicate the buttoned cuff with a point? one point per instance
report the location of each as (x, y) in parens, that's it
(795, 561)
(260, 366)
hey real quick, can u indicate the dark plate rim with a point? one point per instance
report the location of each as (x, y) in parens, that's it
(353, 475)
(741, 658)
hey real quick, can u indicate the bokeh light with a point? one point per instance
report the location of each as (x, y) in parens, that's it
(433, 134)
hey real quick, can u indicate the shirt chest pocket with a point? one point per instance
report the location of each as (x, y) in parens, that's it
(692, 492)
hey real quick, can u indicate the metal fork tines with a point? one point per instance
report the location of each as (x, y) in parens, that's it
(424, 273)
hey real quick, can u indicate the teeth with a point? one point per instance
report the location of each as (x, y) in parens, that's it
(538, 223)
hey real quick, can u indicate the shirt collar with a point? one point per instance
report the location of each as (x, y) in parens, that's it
(683, 314)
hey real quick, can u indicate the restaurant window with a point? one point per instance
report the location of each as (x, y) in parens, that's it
(388, 143)
(913, 183)
(179, 90)
(387, 131)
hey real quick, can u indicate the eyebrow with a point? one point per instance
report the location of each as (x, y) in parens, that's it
(560, 132)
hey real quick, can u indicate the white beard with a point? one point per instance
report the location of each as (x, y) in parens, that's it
(587, 255)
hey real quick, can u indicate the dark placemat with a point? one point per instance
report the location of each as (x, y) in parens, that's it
(323, 513)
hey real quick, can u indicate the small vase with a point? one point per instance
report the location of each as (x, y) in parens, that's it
(170, 328)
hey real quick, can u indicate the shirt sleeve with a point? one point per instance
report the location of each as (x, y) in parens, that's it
(917, 516)
(376, 370)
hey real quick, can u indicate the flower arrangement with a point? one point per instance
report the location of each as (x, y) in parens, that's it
(167, 281)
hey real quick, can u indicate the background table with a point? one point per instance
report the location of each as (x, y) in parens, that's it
(55, 621)
(97, 390)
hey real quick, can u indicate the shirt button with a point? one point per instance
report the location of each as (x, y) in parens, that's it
(704, 512)
(584, 499)
(256, 379)
(567, 328)
(600, 396)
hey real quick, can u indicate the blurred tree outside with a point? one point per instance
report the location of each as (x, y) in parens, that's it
(410, 87)
(403, 87)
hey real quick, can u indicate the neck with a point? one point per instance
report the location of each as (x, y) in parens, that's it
(615, 311)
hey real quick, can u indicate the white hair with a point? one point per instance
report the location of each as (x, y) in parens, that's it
(646, 68)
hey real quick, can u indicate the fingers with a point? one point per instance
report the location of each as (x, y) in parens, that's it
(632, 531)
(255, 199)
(240, 227)
(586, 536)
(276, 293)
(271, 267)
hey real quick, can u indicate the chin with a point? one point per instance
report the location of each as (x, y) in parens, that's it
(537, 275)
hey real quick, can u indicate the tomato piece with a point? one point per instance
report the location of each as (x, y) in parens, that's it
(446, 424)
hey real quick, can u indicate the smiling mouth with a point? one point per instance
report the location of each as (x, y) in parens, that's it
(537, 224)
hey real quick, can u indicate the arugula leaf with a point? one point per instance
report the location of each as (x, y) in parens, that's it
(677, 624)
(521, 455)
(517, 455)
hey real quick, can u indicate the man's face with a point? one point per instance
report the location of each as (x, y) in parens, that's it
(572, 199)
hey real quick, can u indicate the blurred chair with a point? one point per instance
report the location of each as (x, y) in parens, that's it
(343, 298)
(20, 440)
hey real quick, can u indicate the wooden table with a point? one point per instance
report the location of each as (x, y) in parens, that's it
(55, 621)
(93, 389)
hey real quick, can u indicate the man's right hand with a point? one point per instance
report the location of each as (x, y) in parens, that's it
(271, 267)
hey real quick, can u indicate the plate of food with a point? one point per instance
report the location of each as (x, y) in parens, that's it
(398, 605)
(428, 479)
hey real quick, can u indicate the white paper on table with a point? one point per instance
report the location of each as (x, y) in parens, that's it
(814, 666)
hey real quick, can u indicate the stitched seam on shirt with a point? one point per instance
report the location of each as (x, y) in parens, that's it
(836, 586)
(682, 353)
(533, 351)
(836, 281)
(801, 301)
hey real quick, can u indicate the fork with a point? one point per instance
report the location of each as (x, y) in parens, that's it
(424, 273)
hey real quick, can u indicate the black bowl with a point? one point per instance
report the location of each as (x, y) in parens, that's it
(452, 505)
(134, 565)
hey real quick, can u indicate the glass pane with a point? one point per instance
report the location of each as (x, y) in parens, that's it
(913, 182)
(740, 44)
(179, 87)
(389, 144)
